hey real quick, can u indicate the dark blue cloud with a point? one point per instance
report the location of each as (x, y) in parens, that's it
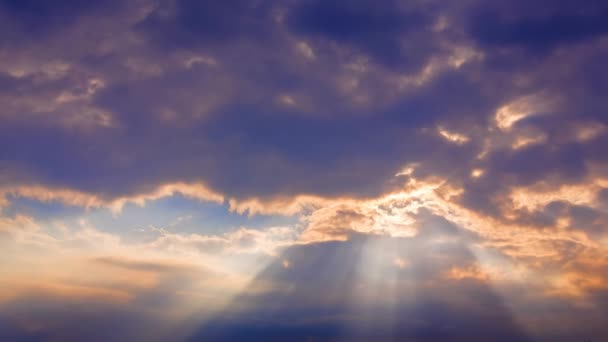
(246, 144)
(191, 23)
(37, 19)
(73, 320)
(375, 30)
(539, 26)
(324, 280)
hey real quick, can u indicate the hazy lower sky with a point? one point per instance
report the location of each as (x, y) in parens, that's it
(303, 170)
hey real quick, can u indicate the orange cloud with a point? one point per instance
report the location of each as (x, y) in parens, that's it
(72, 197)
(507, 115)
(474, 272)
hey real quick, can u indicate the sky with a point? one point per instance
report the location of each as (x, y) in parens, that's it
(303, 170)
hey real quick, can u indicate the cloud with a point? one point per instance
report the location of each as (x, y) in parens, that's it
(421, 236)
(346, 300)
(375, 31)
(454, 152)
(69, 83)
(533, 27)
(225, 124)
(53, 281)
(36, 18)
(87, 200)
(242, 240)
